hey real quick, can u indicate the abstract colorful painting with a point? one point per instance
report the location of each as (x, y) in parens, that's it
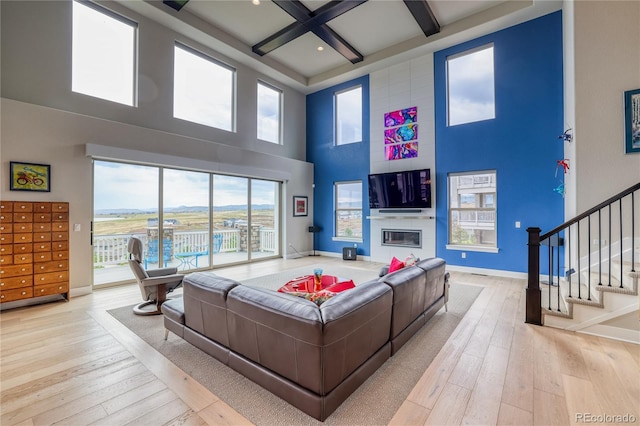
(400, 117)
(401, 134)
(401, 151)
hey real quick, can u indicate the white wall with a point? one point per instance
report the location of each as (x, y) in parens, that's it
(42, 121)
(607, 62)
(404, 85)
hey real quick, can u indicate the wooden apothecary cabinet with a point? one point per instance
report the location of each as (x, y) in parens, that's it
(34, 249)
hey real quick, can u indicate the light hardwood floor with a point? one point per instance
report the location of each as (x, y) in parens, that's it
(72, 363)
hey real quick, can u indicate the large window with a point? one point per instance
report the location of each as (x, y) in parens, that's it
(269, 113)
(470, 86)
(348, 209)
(348, 119)
(203, 89)
(103, 54)
(472, 210)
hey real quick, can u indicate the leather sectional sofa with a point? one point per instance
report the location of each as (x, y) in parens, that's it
(312, 356)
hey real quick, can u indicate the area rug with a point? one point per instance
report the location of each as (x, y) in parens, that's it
(374, 403)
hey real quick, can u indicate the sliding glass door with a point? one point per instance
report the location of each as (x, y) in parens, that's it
(125, 202)
(187, 219)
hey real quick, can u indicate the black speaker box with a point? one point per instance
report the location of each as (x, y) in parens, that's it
(349, 253)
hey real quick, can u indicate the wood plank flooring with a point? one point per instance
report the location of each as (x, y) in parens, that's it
(72, 363)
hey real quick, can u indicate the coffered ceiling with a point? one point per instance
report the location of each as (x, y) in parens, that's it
(311, 44)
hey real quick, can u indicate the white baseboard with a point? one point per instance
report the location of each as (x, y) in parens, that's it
(483, 271)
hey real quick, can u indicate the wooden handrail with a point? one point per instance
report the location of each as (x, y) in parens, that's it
(590, 211)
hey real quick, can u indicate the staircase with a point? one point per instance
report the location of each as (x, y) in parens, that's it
(590, 271)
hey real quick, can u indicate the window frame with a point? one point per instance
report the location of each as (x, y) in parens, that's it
(337, 210)
(280, 93)
(448, 82)
(133, 101)
(336, 127)
(234, 86)
(473, 247)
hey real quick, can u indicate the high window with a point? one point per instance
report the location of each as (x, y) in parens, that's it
(269, 113)
(470, 86)
(472, 210)
(103, 54)
(203, 89)
(348, 120)
(348, 209)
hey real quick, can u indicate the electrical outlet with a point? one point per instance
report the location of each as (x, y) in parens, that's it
(464, 255)
(355, 246)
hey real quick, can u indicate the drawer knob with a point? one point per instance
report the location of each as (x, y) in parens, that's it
(41, 236)
(1, 284)
(42, 279)
(23, 293)
(42, 290)
(23, 207)
(42, 247)
(59, 287)
(23, 217)
(23, 258)
(2, 296)
(23, 269)
(42, 267)
(41, 256)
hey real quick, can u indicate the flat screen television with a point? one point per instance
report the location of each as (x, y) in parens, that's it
(398, 190)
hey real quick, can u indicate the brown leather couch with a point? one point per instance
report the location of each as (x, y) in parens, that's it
(312, 357)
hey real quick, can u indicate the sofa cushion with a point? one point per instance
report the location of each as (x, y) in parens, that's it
(205, 295)
(408, 286)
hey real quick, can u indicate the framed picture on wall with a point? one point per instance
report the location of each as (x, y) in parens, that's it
(300, 205)
(632, 120)
(29, 177)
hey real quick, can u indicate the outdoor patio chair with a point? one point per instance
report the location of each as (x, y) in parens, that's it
(154, 283)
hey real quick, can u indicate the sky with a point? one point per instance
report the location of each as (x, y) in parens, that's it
(471, 87)
(118, 186)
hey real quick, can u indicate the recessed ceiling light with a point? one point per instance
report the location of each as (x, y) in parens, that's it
(256, 2)
(320, 48)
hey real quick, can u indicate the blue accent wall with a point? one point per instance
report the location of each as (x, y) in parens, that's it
(521, 143)
(336, 163)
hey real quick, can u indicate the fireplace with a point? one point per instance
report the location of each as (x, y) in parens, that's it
(402, 237)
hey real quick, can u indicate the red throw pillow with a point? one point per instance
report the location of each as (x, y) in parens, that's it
(395, 264)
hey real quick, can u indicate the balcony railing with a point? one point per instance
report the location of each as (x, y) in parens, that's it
(112, 249)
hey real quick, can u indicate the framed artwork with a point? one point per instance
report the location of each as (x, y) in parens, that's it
(29, 177)
(632, 120)
(300, 205)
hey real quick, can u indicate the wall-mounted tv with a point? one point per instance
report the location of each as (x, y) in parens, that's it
(397, 190)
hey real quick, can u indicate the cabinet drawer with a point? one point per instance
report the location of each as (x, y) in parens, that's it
(6, 238)
(50, 278)
(6, 228)
(46, 290)
(22, 227)
(59, 245)
(22, 217)
(16, 282)
(43, 256)
(16, 294)
(42, 207)
(6, 206)
(7, 259)
(60, 255)
(42, 217)
(59, 226)
(60, 217)
(41, 237)
(56, 265)
(19, 259)
(60, 207)
(6, 249)
(39, 247)
(42, 227)
(15, 270)
(23, 248)
(22, 206)
(23, 238)
(59, 236)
